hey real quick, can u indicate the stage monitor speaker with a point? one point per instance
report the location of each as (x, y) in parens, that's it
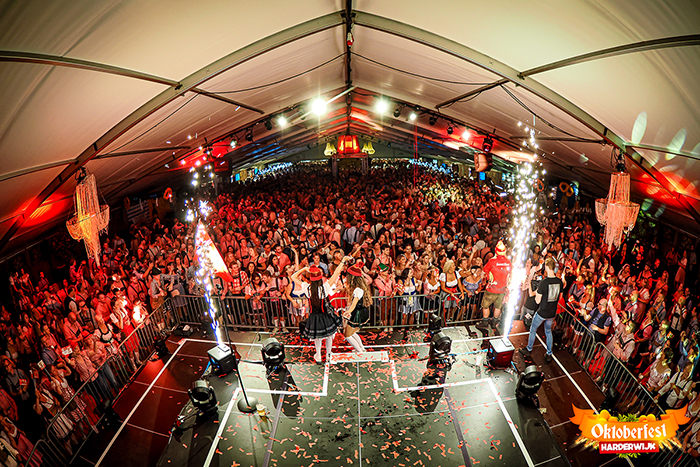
(222, 359)
(500, 352)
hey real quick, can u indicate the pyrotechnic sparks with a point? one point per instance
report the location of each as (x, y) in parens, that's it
(521, 234)
(209, 264)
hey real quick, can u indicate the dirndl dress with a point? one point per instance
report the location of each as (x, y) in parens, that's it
(321, 324)
(409, 302)
(359, 316)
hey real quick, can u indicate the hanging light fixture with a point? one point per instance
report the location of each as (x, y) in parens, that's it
(91, 218)
(367, 148)
(616, 212)
(330, 150)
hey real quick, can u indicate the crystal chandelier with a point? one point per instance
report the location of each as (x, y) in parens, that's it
(90, 217)
(616, 212)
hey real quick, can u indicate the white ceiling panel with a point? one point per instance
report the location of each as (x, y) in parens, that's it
(58, 117)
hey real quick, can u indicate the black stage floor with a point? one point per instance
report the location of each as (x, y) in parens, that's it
(353, 413)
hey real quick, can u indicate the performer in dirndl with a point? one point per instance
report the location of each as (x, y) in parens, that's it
(322, 324)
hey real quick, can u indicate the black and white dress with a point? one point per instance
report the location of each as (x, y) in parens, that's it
(322, 323)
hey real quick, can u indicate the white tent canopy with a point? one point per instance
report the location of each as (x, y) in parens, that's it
(118, 87)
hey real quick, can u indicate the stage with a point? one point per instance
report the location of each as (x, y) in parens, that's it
(388, 408)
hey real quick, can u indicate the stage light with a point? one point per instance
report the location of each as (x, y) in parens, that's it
(434, 323)
(432, 120)
(273, 355)
(268, 124)
(203, 397)
(234, 142)
(249, 136)
(529, 383)
(281, 121)
(440, 347)
(412, 116)
(159, 345)
(466, 135)
(382, 106)
(449, 129)
(487, 145)
(397, 112)
(319, 107)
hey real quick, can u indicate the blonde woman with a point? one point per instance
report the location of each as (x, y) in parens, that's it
(452, 290)
(356, 314)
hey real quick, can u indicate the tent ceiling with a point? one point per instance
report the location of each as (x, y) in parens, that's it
(119, 87)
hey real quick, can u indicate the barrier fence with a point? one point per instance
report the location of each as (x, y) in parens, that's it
(384, 312)
(79, 418)
(611, 374)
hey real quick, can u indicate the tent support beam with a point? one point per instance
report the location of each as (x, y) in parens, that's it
(188, 84)
(55, 60)
(473, 92)
(643, 46)
(109, 155)
(504, 71)
(555, 138)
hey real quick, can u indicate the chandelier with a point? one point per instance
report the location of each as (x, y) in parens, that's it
(616, 212)
(90, 217)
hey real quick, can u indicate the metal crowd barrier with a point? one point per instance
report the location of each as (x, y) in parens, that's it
(78, 419)
(275, 313)
(609, 373)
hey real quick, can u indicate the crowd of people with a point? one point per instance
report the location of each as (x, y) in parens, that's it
(401, 241)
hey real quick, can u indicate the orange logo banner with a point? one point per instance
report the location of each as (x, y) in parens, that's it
(602, 427)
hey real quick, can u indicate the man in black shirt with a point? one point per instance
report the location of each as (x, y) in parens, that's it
(547, 297)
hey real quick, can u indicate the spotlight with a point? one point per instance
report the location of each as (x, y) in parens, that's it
(203, 397)
(234, 142)
(281, 121)
(432, 120)
(319, 107)
(273, 355)
(440, 347)
(412, 117)
(450, 129)
(382, 106)
(466, 135)
(529, 383)
(434, 323)
(397, 112)
(268, 124)
(487, 145)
